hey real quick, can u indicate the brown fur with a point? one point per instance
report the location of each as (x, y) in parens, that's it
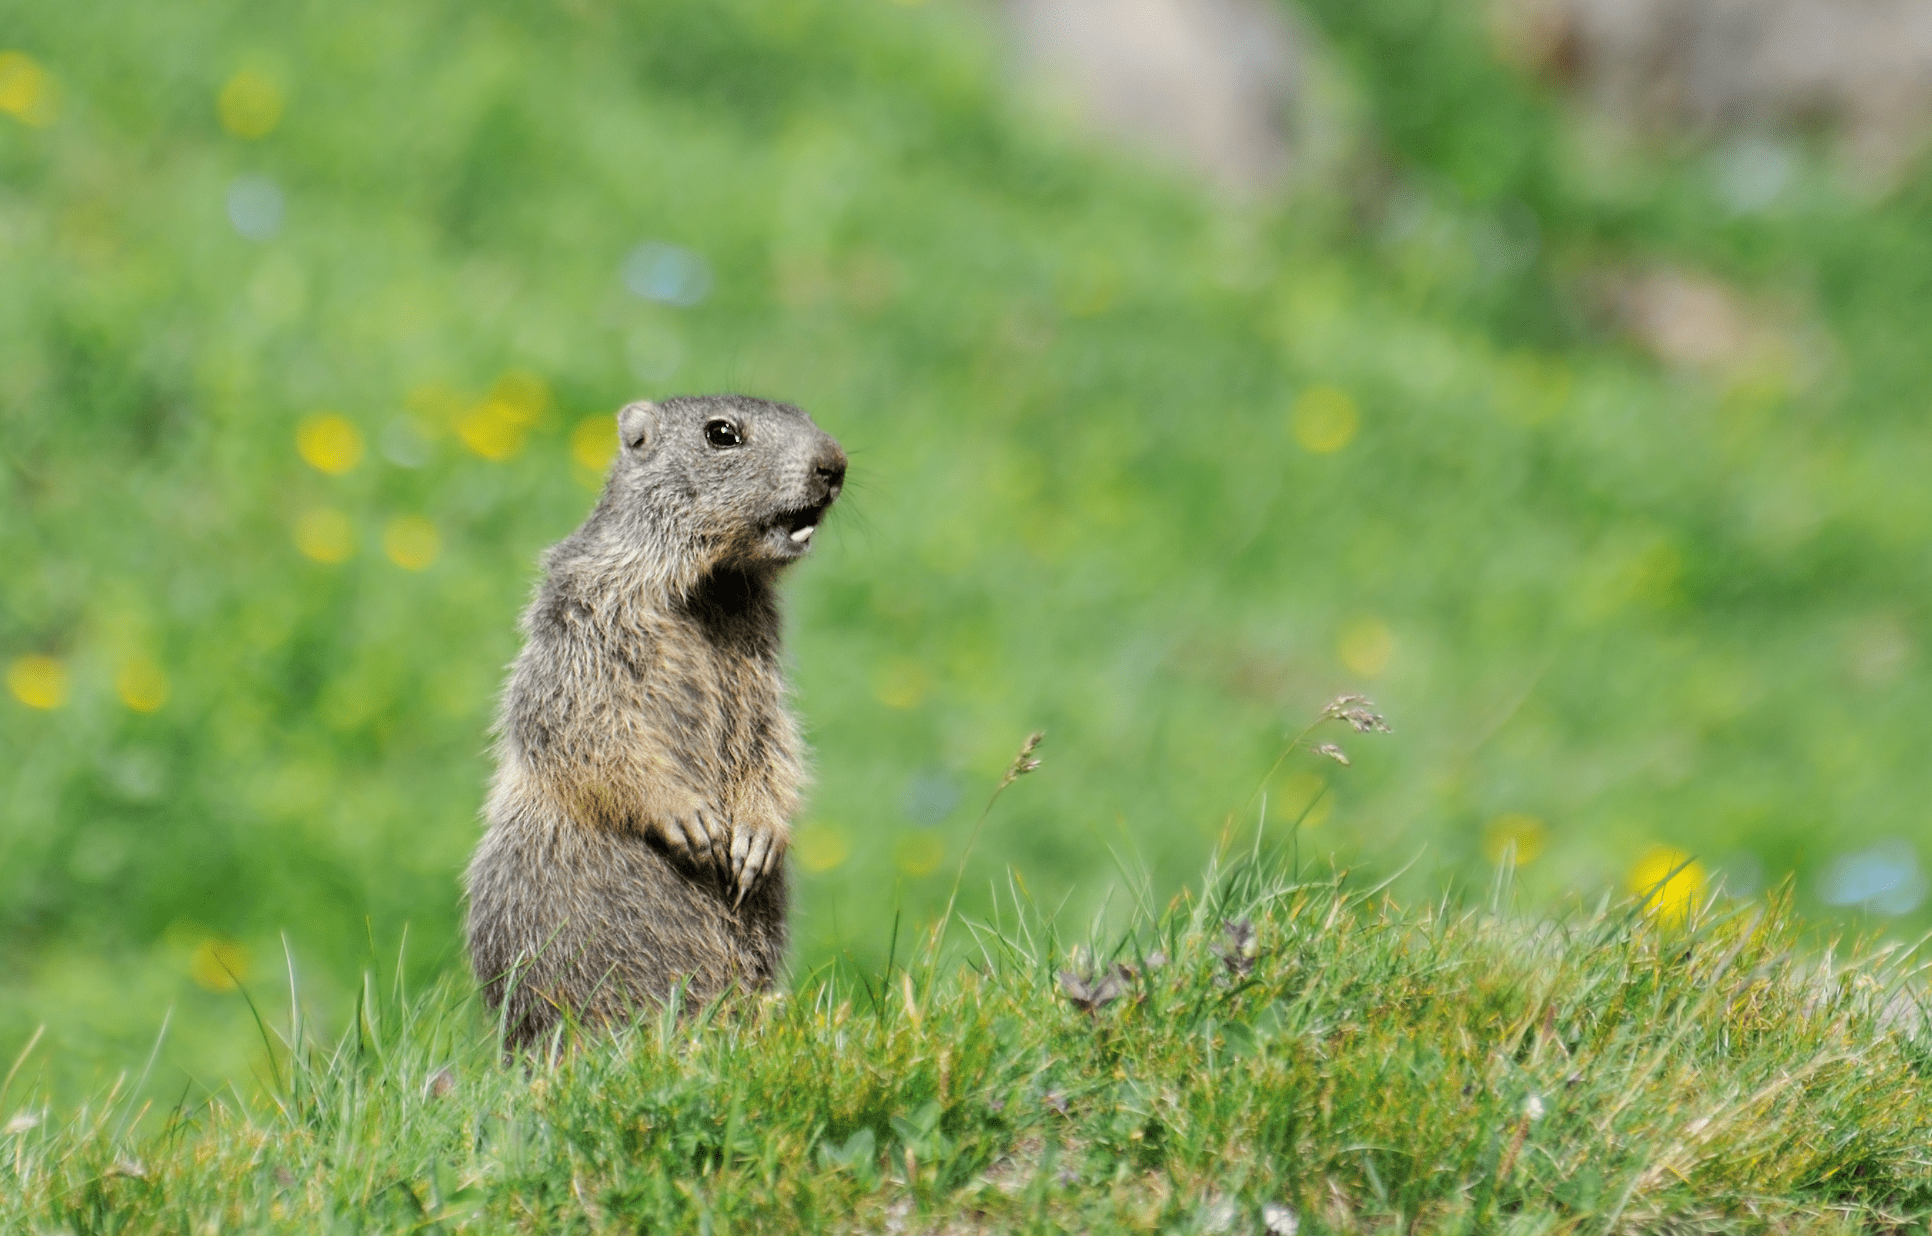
(647, 765)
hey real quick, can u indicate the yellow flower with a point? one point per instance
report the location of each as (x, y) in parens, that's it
(329, 442)
(919, 853)
(1668, 879)
(1524, 834)
(901, 683)
(26, 90)
(493, 429)
(821, 846)
(411, 542)
(325, 534)
(496, 427)
(1324, 419)
(1365, 646)
(524, 393)
(38, 681)
(142, 685)
(487, 430)
(250, 105)
(594, 442)
(218, 965)
(1301, 795)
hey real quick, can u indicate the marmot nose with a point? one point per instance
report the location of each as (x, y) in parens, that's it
(828, 468)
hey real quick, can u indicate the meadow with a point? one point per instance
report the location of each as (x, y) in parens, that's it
(1267, 1055)
(313, 319)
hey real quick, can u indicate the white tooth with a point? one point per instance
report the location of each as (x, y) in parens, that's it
(804, 534)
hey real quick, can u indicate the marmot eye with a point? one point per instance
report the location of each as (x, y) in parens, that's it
(722, 433)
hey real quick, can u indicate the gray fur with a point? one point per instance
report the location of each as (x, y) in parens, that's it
(647, 765)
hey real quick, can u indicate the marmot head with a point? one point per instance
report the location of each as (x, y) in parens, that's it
(721, 480)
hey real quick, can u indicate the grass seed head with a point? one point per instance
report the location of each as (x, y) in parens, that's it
(1024, 763)
(1333, 752)
(1358, 711)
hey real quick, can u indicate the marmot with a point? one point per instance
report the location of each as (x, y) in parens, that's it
(647, 765)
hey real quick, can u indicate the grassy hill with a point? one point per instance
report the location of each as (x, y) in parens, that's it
(1265, 1056)
(311, 320)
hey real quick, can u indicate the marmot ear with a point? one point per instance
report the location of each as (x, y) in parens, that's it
(635, 424)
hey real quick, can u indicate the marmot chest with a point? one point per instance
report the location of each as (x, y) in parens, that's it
(716, 704)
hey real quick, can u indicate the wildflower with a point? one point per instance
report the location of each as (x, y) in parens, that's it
(1669, 881)
(325, 535)
(250, 105)
(1366, 646)
(1324, 419)
(1098, 991)
(38, 681)
(1239, 951)
(1153, 961)
(1279, 1220)
(411, 542)
(1514, 834)
(142, 685)
(329, 442)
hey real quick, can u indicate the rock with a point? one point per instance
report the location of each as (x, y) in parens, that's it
(1213, 86)
(1741, 66)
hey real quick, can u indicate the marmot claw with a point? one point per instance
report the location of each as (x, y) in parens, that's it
(753, 856)
(698, 840)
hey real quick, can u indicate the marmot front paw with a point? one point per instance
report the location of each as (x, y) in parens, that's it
(755, 854)
(699, 838)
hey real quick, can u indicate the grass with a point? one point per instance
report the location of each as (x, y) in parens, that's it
(1268, 1046)
(1149, 470)
(1154, 472)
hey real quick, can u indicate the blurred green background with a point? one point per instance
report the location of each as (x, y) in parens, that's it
(312, 319)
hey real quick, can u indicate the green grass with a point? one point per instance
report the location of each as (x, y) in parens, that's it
(1368, 1066)
(1640, 607)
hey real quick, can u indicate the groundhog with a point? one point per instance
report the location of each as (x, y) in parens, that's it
(647, 765)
